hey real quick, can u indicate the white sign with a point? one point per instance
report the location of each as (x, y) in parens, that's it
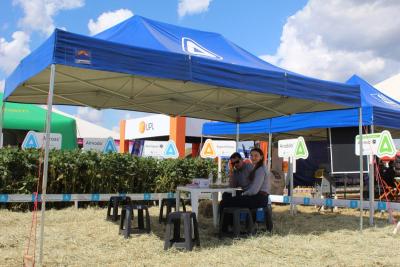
(37, 140)
(286, 148)
(295, 148)
(213, 149)
(99, 144)
(225, 148)
(160, 149)
(370, 144)
(380, 144)
(150, 126)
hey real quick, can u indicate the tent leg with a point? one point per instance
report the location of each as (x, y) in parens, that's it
(371, 186)
(3, 107)
(269, 151)
(237, 128)
(46, 161)
(361, 167)
(291, 162)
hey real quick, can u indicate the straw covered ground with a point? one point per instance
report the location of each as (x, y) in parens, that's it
(84, 238)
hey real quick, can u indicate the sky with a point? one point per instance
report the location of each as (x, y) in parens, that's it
(325, 39)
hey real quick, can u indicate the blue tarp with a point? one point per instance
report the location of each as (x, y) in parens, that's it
(378, 109)
(140, 46)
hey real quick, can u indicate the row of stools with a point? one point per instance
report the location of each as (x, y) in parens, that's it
(244, 221)
(172, 220)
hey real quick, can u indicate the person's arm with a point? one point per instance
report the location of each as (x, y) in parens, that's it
(233, 181)
(256, 184)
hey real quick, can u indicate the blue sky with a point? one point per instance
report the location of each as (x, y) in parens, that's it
(324, 39)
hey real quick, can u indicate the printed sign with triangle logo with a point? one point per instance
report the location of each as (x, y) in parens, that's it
(30, 141)
(171, 151)
(386, 145)
(109, 146)
(301, 151)
(191, 47)
(208, 150)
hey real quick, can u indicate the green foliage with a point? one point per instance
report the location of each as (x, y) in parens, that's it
(91, 172)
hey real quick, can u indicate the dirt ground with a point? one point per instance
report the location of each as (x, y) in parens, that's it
(82, 237)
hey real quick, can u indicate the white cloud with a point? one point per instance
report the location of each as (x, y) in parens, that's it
(2, 84)
(38, 14)
(107, 20)
(190, 7)
(90, 114)
(333, 40)
(13, 51)
(115, 128)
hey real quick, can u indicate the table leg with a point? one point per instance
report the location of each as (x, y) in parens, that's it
(214, 197)
(195, 203)
(177, 199)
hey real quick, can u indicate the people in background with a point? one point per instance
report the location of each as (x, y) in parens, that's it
(255, 194)
(388, 175)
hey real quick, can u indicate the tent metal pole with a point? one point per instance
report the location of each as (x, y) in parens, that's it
(46, 161)
(291, 160)
(201, 144)
(269, 152)
(361, 166)
(237, 128)
(371, 186)
(3, 107)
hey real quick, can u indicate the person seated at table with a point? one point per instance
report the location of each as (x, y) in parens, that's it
(255, 195)
(240, 171)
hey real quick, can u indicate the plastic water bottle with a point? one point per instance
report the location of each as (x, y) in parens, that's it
(260, 215)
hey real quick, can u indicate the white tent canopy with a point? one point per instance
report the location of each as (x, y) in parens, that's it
(390, 87)
(86, 129)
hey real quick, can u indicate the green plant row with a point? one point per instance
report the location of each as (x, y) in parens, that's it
(82, 172)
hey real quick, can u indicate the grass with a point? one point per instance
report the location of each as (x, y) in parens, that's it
(84, 238)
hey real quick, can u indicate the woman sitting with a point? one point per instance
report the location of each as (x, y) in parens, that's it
(256, 193)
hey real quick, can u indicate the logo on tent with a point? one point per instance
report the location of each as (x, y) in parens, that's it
(109, 146)
(208, 150)
(191, 47)
(386, 145)
(82, 56)
(301, 151)
(30, 141)
(385, 100)
(171, 150)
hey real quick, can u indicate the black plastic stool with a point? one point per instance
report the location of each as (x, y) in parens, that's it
(174, 224)
(112, 207)
(170, 203)
(237, 213)
(127, 217)
(264, 215)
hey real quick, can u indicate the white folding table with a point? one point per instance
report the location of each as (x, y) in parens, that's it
(195, 194)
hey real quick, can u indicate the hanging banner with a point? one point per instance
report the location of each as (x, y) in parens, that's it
(212, 149)
(160, 149)
(380, 144)
(295, 148)
(37, 140)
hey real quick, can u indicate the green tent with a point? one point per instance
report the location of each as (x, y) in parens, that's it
(20, 118)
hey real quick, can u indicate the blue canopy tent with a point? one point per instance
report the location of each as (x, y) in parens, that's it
(146, 65)
(379, 110)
